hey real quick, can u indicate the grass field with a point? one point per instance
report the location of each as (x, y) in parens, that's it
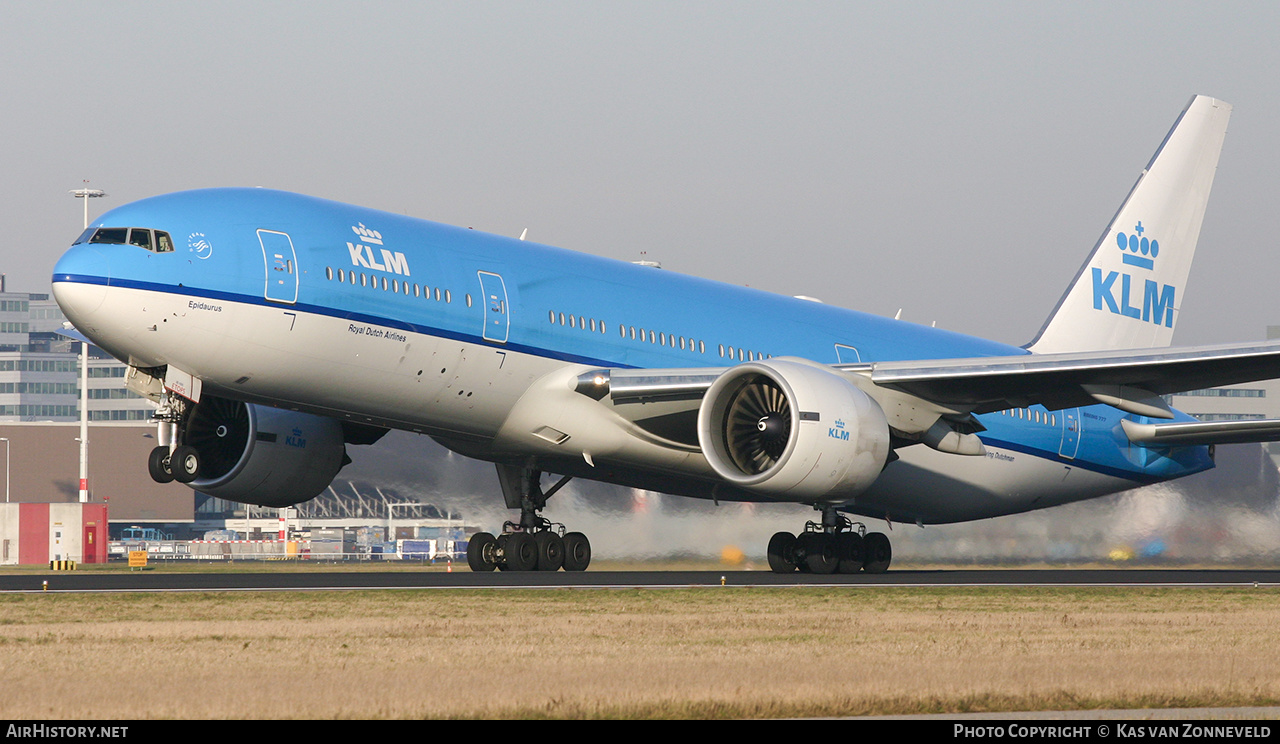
(692, 653)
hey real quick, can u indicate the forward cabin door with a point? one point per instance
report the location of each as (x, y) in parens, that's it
(281, 264)
(497, 321)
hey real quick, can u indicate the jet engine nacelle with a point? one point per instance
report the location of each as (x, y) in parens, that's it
(792, 430)
(260, 455)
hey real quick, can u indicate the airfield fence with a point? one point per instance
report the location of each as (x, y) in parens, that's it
(427, 551)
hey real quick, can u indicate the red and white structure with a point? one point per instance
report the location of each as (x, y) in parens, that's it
(39, 533)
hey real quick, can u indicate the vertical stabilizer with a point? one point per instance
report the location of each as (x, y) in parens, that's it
(1128, 292)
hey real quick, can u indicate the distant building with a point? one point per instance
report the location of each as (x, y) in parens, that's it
(40, 368)
(1250, 400)
(40, 410)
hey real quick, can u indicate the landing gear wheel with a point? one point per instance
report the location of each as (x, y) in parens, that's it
(577, 552)
(480, 551)
(819, 552)
(501, 549)
(550, 550)
(782, 553)
(158, 465)
(185, 464)
(848, 552)
(877, 553)
(522, 552)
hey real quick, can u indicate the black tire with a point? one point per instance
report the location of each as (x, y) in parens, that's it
(550, 550)
(802, 550)
(819, 552)
(158, 465)
(577, 552)
(849, 552)
(521, 552)
(480, 551)
(185, 464)
(877, 553)
(782, 553)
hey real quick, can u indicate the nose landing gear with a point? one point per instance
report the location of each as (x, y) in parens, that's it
(171, 461)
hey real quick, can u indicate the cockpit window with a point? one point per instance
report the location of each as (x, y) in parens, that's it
(152, 240)
(111, 235)
(140, 237)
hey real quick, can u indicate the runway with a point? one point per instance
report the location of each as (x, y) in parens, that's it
(160, 581)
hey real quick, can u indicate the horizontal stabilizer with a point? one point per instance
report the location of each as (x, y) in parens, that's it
(1203, 432)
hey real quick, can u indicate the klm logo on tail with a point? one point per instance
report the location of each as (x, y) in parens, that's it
(1140, 252)
(362, 254)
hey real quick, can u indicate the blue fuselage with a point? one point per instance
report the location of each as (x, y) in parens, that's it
(368, 277)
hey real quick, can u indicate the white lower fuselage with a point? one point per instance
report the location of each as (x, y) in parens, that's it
(476, 399)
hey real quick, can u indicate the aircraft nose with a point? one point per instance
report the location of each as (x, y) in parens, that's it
(80, 280)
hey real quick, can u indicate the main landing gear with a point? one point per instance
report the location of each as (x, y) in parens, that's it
(535, 543)
(171, 460)
(834, 546)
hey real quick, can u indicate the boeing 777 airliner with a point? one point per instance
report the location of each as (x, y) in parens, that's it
(273, 329)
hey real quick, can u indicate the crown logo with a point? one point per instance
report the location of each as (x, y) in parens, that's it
(1139, 250)
(367, 235)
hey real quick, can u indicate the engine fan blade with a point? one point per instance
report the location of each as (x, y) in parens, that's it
(758, 425)
(219, 430)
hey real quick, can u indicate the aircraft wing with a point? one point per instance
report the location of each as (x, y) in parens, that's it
(1130, 380)
(917, 394)
(983, 384)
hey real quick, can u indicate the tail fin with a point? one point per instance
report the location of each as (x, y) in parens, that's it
(1127, 294)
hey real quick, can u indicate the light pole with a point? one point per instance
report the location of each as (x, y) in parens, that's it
(6, 468)
(85, 193)
(84, 422)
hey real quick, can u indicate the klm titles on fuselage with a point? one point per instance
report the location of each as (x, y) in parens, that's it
(1157, 299)
(362, 252)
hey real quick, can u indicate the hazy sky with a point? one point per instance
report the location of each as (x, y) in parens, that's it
(956, 160)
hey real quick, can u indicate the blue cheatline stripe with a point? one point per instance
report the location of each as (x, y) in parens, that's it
(1137, 476)
(213, 294)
